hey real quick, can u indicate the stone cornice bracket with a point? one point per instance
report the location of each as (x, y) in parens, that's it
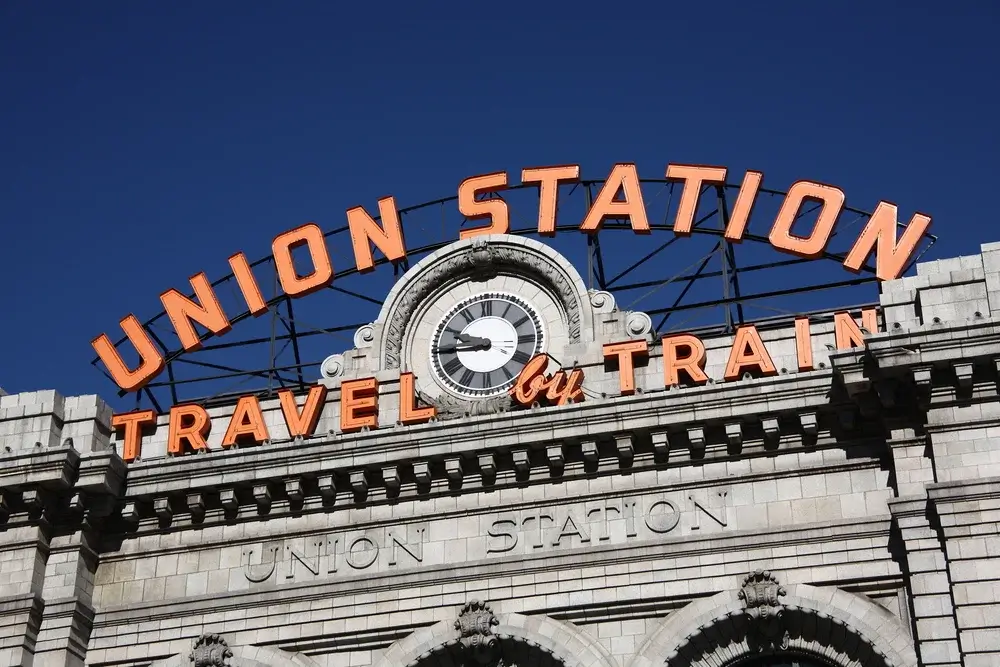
(963, 373)
(210, 651)
(661, 444)
(475, 629)
(262, 496)
(809, 422)
(162, 509)
(761, 597)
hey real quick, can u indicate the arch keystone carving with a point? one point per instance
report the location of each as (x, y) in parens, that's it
(210, 651)
(761, 596)
(475, 627)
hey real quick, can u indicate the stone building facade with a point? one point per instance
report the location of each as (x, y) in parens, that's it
(841, 516)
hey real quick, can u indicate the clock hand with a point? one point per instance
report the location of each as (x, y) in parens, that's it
(485, 345)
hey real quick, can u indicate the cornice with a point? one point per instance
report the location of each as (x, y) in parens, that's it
(53, 468)
(218, 518)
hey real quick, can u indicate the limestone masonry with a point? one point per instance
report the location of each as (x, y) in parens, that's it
(842, 516)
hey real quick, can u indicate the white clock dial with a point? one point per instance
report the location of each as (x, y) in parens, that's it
(482, 343)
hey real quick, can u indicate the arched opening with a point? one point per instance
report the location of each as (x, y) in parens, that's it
(765, 624)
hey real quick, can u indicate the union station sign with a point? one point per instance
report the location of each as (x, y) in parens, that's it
(497, 341)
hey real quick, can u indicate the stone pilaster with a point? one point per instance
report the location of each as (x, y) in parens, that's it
(969, 517)
(930, 589)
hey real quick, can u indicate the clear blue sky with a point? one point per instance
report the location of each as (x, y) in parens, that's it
(144, 142)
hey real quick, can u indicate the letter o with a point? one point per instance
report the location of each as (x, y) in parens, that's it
(351, 552)
(661, 523)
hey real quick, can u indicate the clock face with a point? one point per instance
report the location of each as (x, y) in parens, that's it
(481, 344)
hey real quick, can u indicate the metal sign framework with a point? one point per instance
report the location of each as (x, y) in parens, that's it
(671, 277)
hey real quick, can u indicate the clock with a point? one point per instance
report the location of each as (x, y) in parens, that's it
(483, 342)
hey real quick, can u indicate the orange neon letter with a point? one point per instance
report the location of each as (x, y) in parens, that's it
(248, 284)
(880, 232)
(625, 354)
(193, 432)
(150, 359)
(831, 201)
(358, 404)
(691, 362)
(739, 218)
(182, 311)
(302, 423)
(476, 209)
(803, 343)
(625, 178)
(311, 236)
(247, 422)
(409, 413)
(131, 424)
(693, 176)
(364, 231)
(748, 351)
(548, 179)
(848, 333)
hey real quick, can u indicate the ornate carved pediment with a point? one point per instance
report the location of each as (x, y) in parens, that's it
(761, 595)
(210, 651)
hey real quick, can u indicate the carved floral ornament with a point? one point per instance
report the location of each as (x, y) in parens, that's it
(210, 651)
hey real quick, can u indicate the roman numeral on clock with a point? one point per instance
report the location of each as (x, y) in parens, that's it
(526, 338)
(452, 366)
(521, 357)
(487, 308)
(467, 378)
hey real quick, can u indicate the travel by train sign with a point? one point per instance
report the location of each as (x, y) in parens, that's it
(683, 365)
(620, 198)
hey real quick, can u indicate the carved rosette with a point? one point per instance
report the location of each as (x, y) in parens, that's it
(210, 651)
(475, 628)
(761, 596)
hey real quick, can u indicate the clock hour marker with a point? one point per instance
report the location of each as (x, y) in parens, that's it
(452, 365)
(467, 377)
(521, 357)
(526, 338)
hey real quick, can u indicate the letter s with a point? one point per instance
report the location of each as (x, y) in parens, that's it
(510, 537)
